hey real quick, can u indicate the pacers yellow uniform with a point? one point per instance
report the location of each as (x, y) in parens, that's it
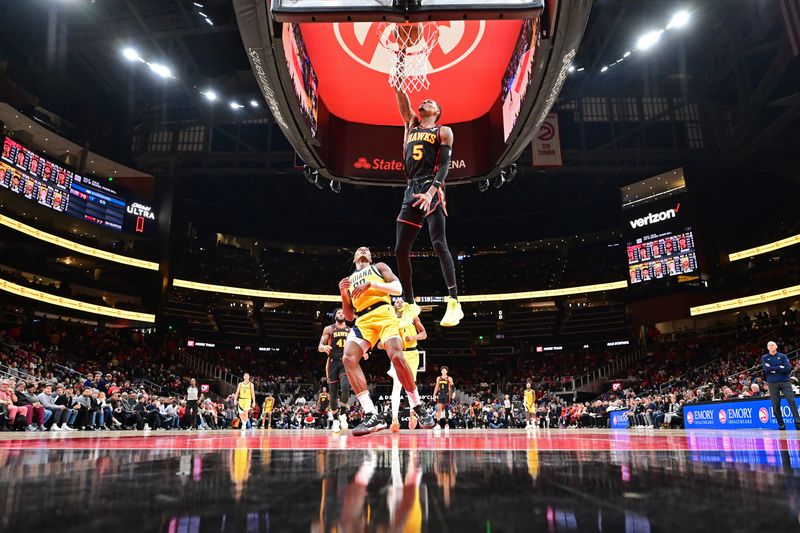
(377, 320)
(245, 398)
(530, 401)
(410, 352)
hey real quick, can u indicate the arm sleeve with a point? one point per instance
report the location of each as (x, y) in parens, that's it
(445, 153)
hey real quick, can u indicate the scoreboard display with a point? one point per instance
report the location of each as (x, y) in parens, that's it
(52, 185)
(101, 207)
(662, 255)
(27, 174)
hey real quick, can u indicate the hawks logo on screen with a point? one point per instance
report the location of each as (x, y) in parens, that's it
(722, 417)
(457, 40)
(690, 418)
(763, 415)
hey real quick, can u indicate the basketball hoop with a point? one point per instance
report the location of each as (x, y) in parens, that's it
(408, 46)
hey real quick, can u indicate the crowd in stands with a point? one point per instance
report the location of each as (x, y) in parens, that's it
(276, 269)
(75, 377)
(689, 371)
(222, 265)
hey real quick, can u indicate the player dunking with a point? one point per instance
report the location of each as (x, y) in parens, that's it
(366, 294)
(427, 147)
(443, 392)
(415, 332)
(332, 342)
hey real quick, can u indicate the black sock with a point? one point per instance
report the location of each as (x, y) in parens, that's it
(453, 292)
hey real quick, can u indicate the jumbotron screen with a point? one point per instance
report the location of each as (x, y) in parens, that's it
(30, 175)
(27, 174)
(661, 256)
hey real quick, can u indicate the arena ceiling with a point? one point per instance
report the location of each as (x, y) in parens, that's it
(55, 56)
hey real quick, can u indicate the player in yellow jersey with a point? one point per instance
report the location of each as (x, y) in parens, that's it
(245, 399)
(366, 298)
(530, 406)
(411, 334)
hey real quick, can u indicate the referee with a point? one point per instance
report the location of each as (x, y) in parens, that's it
(777, 369)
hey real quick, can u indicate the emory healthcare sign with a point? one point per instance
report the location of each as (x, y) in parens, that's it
(742, 414)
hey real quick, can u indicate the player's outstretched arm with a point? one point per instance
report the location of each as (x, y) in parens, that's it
(325, 340)
(392, 284)
(404, 105)
(422, 334)
(347, 304)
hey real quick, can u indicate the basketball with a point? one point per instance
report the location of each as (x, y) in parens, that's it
(407, 35)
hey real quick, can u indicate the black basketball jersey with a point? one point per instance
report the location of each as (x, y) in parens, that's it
(338, 338)
(421, 152)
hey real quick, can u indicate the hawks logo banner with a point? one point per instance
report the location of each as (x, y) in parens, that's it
(455, 41)
(547, 144)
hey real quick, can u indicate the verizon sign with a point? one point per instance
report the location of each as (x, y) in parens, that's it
(654, 218)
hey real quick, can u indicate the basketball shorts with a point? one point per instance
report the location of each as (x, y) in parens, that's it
(334, 370)
(530, 408)
(380, 324)
(245, 405)
(442, 398)
(412, 358)
(415, 216)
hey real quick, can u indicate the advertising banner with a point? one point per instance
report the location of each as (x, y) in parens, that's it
(742, 414)
(547, 144)
(618, 419)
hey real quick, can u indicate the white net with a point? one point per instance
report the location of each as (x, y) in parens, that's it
(408, 46)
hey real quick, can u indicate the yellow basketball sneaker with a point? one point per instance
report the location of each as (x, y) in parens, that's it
(453, 315)
(410, 312)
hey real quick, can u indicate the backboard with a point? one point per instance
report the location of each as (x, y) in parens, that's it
(399, 10)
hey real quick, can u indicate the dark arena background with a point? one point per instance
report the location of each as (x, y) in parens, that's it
(184, 185)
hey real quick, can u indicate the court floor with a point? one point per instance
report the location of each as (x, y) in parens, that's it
(264, 481)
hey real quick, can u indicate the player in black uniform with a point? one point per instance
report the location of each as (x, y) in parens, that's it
(332, 343)
(443, 392)
(427, 147)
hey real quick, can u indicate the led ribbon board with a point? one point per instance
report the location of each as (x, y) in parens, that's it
(74, 246)
(745, 301)
(764, 248)
(61, 301)
(277, 295)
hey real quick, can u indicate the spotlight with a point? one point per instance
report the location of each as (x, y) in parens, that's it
(571, 68)
(512, 173)
(236, 105)
(132, 55)
(318, 182)
(604, 69)
(336, 186)
(483, 185)
(210, 95)
(253, 103)
(161, 70)
(678, 20)
(210, 22)
(648, 39)
(310, 174)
